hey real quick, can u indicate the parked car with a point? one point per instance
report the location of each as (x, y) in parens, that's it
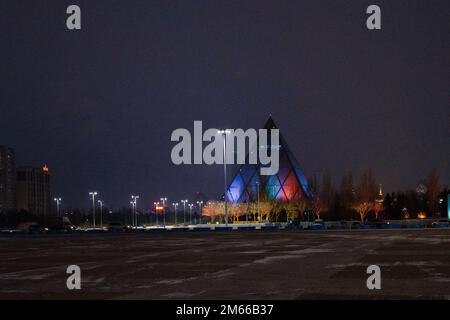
(377, 224)
(37, 229)
(356, 225)
(32, 227)
(116, 226)
(343, 224)
(318, 224)
(59, 224)
(441, 223)
(334, 226)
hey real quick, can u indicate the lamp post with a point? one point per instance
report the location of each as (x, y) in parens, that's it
(200, 212)
(224, 134)
(58, 201)
(175, 205)
(156, 211)
(257, 187)
(164, 210)
(132, 213)
(134, 209)
(100, 202)
(184, 210)
(190, 212)
(93, 194)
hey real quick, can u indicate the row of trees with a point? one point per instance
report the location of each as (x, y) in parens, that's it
(349, 201)
(265, 210)
(365, 200)
(362, 200)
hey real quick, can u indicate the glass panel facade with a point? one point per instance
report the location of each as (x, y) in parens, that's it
(287, 185)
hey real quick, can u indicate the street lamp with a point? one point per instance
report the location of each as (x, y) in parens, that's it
(175, 205)
(156, 211)
(58, 201)
(93, 194)
(224, 134)
(132, 213)
(101, 212)
(164, 200)
(190, 212)
(134, 209)
(257, 187)
(200, 212)
(184, 209)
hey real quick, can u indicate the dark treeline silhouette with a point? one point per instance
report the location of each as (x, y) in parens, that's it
(363, 200)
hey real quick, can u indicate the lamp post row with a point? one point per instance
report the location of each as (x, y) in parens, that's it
(133, 202)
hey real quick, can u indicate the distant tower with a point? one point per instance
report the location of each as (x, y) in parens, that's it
(380, 195)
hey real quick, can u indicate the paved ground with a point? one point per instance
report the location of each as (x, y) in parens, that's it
(415, 264)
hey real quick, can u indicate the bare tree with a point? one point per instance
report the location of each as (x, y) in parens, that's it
(346, 190)
(367, 188)
(363, 208)
(326, 192)
(317, 206)
(277, 208)
(377, 209)
(237, 210)
(213, 209)
(433, 188)
(265, 208)
(365, 194)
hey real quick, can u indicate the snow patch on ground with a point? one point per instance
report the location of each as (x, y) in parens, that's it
(254, 252)
(221, 274)
(310, 250)
(22, 276)
(439, 279)
(181, 294)
(171, 281)
(342, 266)
(423, 263)
(267, 260)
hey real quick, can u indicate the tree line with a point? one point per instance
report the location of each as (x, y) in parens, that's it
(352, 200)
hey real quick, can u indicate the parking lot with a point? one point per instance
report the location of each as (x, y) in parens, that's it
(415, 264)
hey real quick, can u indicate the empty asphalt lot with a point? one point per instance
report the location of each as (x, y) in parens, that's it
(415, 264)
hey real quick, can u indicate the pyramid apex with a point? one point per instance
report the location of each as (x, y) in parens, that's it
(270, 124)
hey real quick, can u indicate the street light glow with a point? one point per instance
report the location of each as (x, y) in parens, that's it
(200, 203)
(93, 194)
(164, 199)
(134, 205)
(224, 133)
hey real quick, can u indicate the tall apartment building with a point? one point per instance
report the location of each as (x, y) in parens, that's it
(33, 190)
(7, 178)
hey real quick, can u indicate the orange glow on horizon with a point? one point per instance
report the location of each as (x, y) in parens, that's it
(421, 215)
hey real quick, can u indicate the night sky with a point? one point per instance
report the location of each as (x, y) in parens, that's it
(98, 105)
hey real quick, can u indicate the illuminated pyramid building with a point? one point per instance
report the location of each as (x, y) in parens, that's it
(289, 184)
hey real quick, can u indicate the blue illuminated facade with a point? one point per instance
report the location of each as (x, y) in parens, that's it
(289, 184)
